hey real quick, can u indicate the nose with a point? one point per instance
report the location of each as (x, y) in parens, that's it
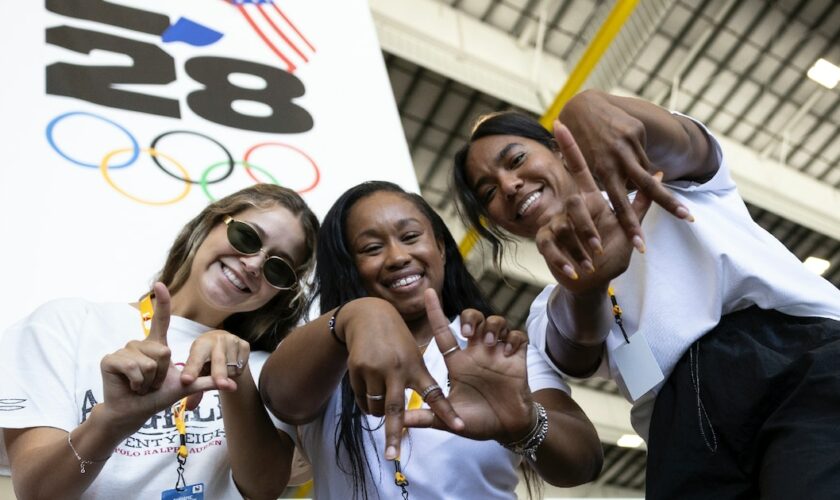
(396, 256)
(253, 263)
(509, 183)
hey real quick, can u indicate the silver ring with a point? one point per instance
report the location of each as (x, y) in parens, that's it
(450, 351)
(425, 392)
(375, 397)
(238, 365)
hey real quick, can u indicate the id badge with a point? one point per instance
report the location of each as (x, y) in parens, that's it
(637, 366)
(190, 492)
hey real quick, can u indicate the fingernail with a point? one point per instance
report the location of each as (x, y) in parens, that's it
(460, 423)
(390, 453)
(659, 175)
(683, 213)
(595, 245)
(490, 339)
(508, 349)
(639, 243)
(587, 265)
(570, 272)
(466, 330)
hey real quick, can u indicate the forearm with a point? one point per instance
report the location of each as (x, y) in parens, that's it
(578, 325)
(673, 144)
(260, 455)
(44, 466)
(571, 453)
(301, 375)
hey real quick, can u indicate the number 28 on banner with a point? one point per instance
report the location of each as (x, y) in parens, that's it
(153, 65)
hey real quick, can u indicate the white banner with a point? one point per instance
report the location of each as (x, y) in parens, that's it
(122, 119)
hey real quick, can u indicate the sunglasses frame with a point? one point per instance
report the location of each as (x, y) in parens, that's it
(228, 219)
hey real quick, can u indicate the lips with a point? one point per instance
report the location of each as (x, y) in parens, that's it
(525, 204)
(234, 279)
(404, 281)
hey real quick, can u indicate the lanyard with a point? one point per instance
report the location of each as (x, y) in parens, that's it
(147, 312)
(414, 402)
(616, 310)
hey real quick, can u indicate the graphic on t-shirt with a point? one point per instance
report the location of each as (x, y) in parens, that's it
(159, 434)
(12, 404)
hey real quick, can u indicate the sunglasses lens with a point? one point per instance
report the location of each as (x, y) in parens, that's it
(279, 274)
(243, 238)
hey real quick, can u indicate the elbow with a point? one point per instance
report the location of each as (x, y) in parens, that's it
(282, 405)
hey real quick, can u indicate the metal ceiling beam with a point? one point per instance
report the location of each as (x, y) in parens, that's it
(450, 42)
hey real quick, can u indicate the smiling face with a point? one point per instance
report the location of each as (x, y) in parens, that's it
(395, 251)
(519, 181)
(223, 281)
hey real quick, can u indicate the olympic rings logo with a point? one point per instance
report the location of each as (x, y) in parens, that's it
(107, 163)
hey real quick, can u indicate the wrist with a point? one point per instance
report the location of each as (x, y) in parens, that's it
(582, 318)
(527, 445)
(111, 426)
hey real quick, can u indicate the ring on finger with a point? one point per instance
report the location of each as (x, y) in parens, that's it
(451, 350)
(375, 397)
(238, 365)
(428, 390)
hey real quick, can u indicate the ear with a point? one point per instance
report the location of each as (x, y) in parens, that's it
(442, 249)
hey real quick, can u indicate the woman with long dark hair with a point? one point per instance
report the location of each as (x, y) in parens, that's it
(103, 412)
(727, 346)
(385, 263)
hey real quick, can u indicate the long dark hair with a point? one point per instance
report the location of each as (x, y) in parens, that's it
(266, 326)
(472, 211)
(337, 281)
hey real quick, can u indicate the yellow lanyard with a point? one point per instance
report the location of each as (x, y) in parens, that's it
(147, 312)
(414, 402)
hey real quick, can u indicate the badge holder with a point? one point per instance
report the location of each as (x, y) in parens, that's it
(634, 358)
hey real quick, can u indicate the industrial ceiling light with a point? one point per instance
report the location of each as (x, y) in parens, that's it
(824, 73)
(629, 441)
(817, 265)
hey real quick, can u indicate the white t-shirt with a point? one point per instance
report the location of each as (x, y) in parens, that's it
(693, 273)
(50, 377)
(438, 464)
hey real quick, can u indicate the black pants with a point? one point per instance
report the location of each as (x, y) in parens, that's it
(767, 421)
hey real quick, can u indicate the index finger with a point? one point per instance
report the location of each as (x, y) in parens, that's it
(438, 322)
(574, 158)
(160, 320)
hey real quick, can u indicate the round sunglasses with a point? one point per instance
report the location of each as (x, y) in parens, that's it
(245, 240)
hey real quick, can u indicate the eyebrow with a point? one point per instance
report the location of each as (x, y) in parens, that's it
(400, 224)
(498, 161)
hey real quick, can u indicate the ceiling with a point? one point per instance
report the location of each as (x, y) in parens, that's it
(741, 67)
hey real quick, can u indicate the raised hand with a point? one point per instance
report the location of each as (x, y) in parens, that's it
(140, 380)
(221, 354)
(383, 362)
(488, 389)
(613, 143)
(584, 245)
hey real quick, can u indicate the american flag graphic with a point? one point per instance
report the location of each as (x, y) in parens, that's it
(277, 31)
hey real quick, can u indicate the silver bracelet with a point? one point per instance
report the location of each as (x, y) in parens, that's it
(82, 461)
(527, 446)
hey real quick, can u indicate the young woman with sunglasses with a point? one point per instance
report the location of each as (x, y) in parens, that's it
(101, 411)
(725, 343)
(381, 344)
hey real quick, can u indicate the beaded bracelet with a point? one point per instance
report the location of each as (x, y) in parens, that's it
(527, 446)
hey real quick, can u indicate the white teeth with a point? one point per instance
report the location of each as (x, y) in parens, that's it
(528, 202)
(405, 281)
(233, 279)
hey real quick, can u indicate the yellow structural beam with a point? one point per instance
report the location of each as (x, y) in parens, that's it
(612, 25)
